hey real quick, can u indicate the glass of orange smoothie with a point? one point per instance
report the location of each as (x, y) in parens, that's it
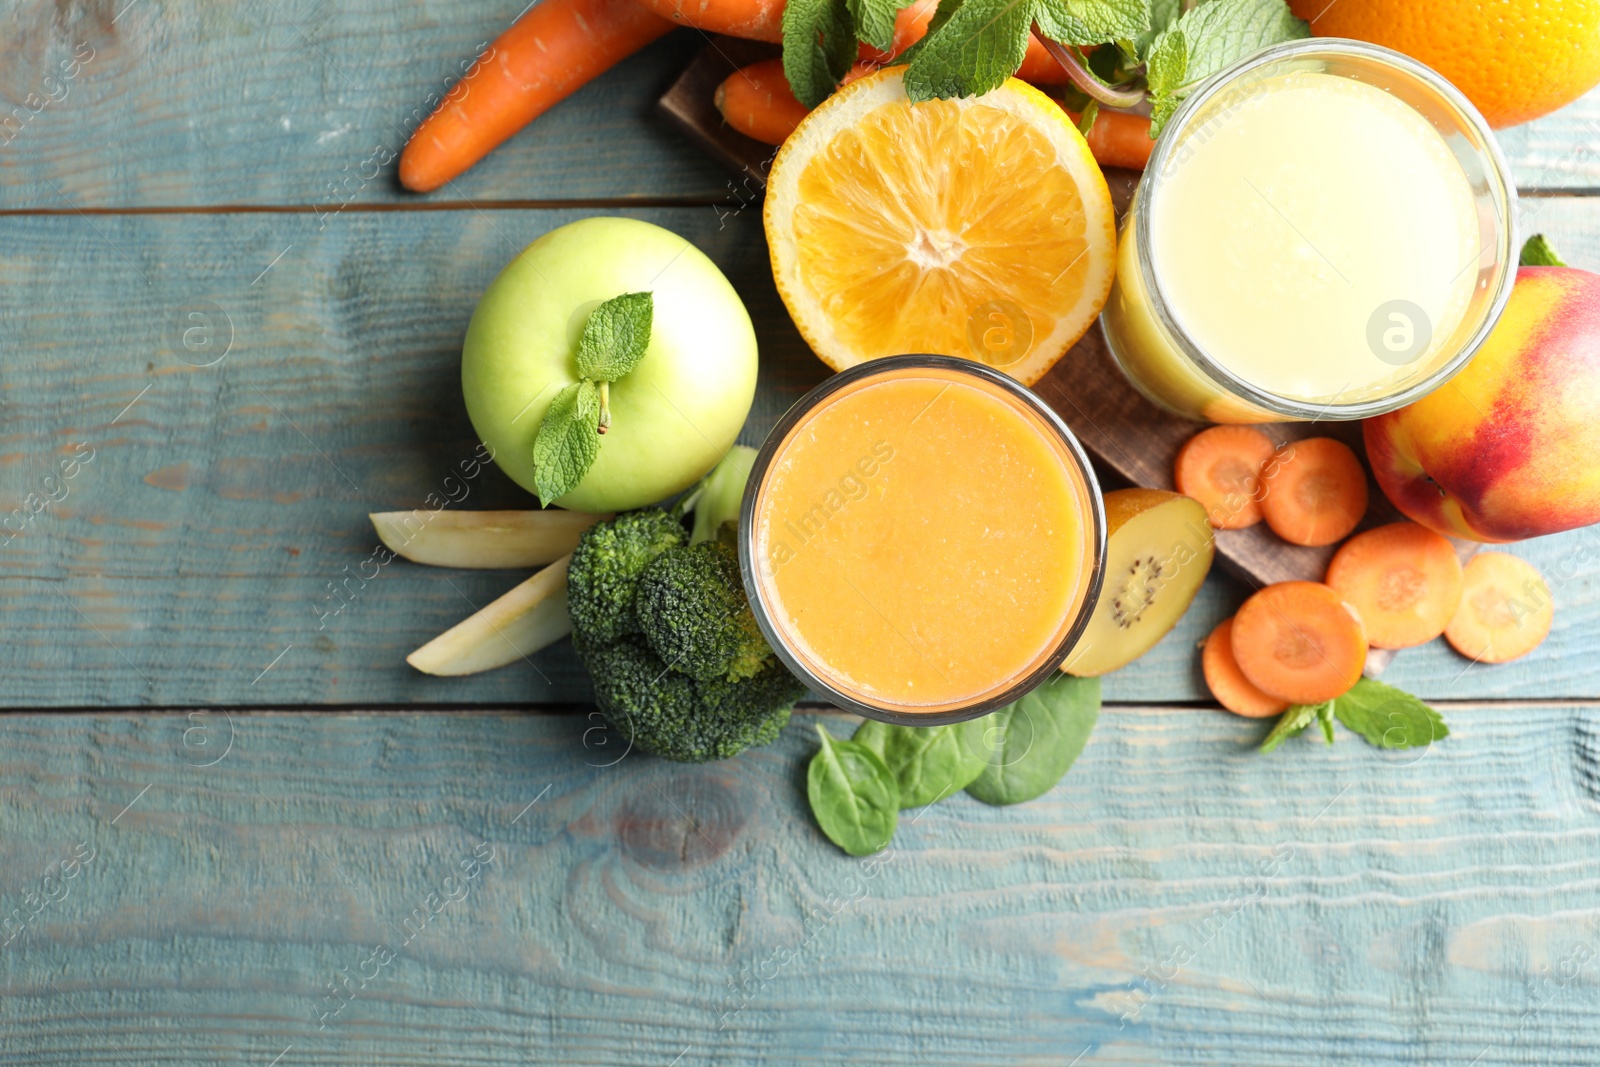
(922, 540)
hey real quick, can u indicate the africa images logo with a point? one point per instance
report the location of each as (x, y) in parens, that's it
(852, 487)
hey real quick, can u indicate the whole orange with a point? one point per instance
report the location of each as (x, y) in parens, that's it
(1514, 59)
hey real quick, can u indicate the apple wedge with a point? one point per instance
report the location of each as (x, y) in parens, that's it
(528, 618)
(482, 539)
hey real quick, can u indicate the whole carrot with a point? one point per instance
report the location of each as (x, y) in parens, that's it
(758, 103)
(549, 53)
(1119, 139)
(755, 20)
(762, 20)
(1040, 67)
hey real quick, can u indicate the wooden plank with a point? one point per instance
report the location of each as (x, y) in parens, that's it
(1178, 899)
(200, 541)
(1559, 151)
(286, 103)
(298, 102)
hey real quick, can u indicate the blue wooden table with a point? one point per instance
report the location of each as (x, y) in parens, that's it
(235, 827)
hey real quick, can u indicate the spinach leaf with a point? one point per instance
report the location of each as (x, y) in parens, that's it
(930, 762)
(1038, 738)
(853, 795)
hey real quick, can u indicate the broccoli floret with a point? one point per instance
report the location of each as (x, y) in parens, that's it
(692, 609)
(667, 713)
(605, 569)
(764, 701)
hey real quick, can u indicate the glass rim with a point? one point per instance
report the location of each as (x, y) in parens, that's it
(1073, 451)
(1503, 193)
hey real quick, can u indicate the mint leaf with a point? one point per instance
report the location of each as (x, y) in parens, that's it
(1538, 253)
(1325, 717)
(976, 49)
(1388, 717)
(874, 21)
(615, 337)
(819, 44)
(1163, 74)
(1163, 13)
(1291, 723)
(1214, 35)
(1086, 117)
(567, 441)
(1091, 21)
(941, 15)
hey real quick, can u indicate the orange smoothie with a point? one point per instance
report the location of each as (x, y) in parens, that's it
(923, 539)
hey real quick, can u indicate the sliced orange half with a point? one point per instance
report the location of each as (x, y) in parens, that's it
(979, 227)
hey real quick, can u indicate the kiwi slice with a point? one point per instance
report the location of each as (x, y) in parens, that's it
(1158, 550)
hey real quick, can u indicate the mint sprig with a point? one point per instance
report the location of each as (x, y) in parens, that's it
(1388, 717)
(1380, 714)
(1209, 38)
(973, 46)
(819, 44)
(614, 340)
(1146, 48)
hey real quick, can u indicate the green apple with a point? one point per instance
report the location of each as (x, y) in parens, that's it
(672, 418)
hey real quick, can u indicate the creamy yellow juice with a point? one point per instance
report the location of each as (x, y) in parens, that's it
(1314, 236)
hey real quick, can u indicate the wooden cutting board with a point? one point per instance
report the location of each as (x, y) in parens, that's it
(1131, 440)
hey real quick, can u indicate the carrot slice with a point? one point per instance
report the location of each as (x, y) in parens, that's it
(1404, 581)
(1316, 491)
(1228, 683)
(1505, 609)
(1298, 641)
(1221, 468)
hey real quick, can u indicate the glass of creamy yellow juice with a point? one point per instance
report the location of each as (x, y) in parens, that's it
(1324, 231)
(922, 539)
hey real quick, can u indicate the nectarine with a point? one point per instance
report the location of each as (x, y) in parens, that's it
(1510, 447)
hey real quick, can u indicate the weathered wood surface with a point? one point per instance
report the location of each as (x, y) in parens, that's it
(303, 103)
(1178, 899)
(284, 103)
(199, 542)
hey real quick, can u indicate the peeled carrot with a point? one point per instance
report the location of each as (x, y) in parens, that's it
(762, 20)
(1221, 466)
(1505, 611)
(1228, 683)
(1404, 581)
(1120, 139)
(758, 103)
(549, 53)
(910, 26)
(1298, 641)
(1316, 491)
(1040, 67)
(754, 20)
